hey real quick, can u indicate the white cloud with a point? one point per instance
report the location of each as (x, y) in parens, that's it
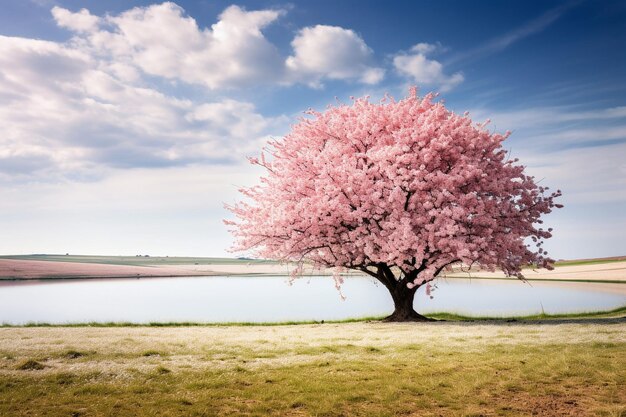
(173, 211)
(576, 172)
(579, 151)
(551, 129)
(161, 40)
(425, 71)
(423, 48)
(233, 52)
(83, 21)
(331, 52)
(65, 115)
(78, 109)
(237, 118)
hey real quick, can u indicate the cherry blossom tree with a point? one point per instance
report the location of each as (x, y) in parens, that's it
(399, 190)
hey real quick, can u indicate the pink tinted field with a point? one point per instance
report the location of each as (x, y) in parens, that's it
(28, 269)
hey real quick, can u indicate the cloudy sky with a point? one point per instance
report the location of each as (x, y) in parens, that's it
(125, 124)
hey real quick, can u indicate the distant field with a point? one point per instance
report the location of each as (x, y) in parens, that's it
(81, 267)
(185, 260)
(569, 368)
(136, 260)
(605, 270)
(592, 261)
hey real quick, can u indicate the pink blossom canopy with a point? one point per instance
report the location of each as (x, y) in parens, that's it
(404, 183)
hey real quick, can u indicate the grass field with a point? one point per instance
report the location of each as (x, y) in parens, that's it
(596, 261)
(561, 367)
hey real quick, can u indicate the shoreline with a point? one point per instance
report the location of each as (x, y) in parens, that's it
(616, 315)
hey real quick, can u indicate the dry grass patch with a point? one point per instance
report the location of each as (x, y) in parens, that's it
(30, 365)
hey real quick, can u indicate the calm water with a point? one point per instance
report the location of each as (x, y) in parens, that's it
(266, 299)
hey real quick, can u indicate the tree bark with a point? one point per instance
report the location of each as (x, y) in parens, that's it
(402, 295)
(403, 304)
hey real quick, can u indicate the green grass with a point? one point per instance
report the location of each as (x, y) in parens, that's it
(575, 262)
(151, 352)
(74, 354)
(483, 374)
(617, 312)
(195, 324)
(30, 365)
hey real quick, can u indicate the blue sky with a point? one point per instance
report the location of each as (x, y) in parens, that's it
(127, 123)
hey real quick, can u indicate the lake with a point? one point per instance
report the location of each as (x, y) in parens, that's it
(271, 299)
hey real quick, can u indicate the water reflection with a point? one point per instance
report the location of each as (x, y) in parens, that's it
(267, 299)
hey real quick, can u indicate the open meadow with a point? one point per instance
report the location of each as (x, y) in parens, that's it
(570, 367)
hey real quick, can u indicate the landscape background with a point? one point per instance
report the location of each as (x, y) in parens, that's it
(125, 127)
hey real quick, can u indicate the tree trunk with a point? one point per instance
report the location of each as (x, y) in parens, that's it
(402, 295)
(403, 305)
